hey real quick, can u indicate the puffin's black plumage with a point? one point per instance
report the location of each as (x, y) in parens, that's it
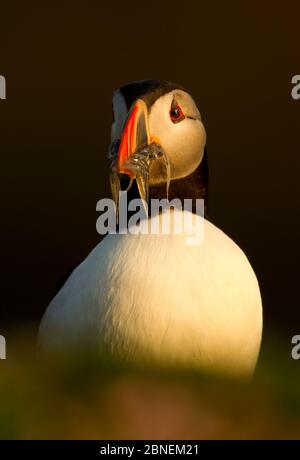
(194, 186)
(148, 90)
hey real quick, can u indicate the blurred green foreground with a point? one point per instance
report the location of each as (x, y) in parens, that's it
(80, 398)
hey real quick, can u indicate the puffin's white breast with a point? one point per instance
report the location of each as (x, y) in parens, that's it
(156, 296)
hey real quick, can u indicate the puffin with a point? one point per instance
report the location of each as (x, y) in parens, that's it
(151, 297)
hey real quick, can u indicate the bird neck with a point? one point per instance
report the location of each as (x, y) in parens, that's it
(194, 186)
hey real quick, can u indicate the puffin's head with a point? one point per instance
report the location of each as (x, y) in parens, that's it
(157, 131)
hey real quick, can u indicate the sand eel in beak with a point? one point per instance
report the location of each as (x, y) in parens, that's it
(135, 155)
(151, 296)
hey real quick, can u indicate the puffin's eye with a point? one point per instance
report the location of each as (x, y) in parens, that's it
(176, 113)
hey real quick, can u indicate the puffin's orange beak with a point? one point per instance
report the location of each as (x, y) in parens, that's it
(135, 135)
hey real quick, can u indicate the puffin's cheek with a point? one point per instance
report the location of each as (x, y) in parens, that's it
(195, 148)
(187, 155)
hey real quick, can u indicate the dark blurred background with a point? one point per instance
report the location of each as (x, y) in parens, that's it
(62, 63)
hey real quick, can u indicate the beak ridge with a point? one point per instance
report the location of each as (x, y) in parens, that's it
(135, 135)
